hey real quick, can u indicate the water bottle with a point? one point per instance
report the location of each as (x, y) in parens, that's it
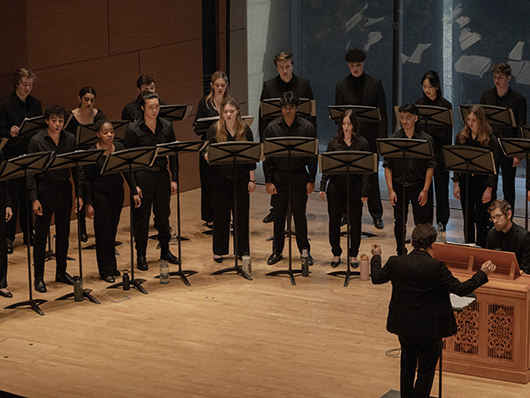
(164, 272)
(247, 264)
(126, 281)
(173, 231)
(305, 262)
(440, 234)
(78, 289)
(365, 268)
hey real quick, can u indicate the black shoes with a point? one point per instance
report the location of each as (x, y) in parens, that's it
(310, 260)
(269, 217)
(378, 223)
(169, 257)
(116, 273)
(218, 260)
(274, 258)
(40, 286)
(141, 263)
(9, 246)
(109, 279)
(64, 278)
(335, 264)
(5, 294)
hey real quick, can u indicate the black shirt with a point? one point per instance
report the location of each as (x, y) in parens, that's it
(359, 179)
(299, 128)
(516, 240)
(206, 108)
(511, 100)
(73, 123)
(227, 171)
(491, 179)
(416, 169)
(440, 135)
(13, 111)
(42, 142)
(139, 135)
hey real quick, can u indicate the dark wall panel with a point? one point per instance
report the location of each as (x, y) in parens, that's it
(12, 38)
(61, 32)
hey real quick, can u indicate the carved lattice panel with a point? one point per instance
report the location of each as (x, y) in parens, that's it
(467, 338)
(500, 331)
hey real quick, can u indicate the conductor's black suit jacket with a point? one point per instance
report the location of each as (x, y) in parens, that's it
(420, 305)
(373, 95)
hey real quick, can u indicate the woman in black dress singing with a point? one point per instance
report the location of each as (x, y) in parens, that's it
(432, 95)
(230, 127)
(85, 114)
(348, 139)
(209, 107)
(482, 188)
(104, 201)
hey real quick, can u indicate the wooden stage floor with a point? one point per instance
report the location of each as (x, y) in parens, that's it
(223, 336)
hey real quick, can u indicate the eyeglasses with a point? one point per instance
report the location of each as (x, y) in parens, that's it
(495, 218)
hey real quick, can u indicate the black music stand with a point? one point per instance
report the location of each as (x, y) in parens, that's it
(518, 148)
(174, 113)
(87, 134)
(31, 126)
(69, 160)
(348, 162)
(271, 108)
(234, 153)
(174, 148)
(23, 166)
(435, 116)
(3, 142)
(289, 147)
(404, 148)
(497, 116)
(469, 160)
(128, 160)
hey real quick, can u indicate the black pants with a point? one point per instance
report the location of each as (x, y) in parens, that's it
(422, 214)
(418, 355)
(206, 190)
(441, 190)
(18, 194)
(55, 200)
(375, 207)
(298, 208)
(508, 178)
(223, 206)
(336, 200)
(156, 193)
(3, 242)
(477, 219)
(107, 209)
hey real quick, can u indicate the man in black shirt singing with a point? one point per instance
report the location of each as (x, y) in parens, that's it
(508, 236)
(358, 88)
(416, 174)
(16, 107)
(503, 95)
(51, 194)
(303, 172)
(155, 183)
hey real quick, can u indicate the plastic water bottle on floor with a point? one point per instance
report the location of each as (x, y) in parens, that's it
(164, 272)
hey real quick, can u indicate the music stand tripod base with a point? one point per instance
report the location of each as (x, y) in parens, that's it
(32, 304)
(86, 296)
(183, 274)
(135, 283)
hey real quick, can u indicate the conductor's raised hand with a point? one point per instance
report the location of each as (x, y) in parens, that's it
(488, 267)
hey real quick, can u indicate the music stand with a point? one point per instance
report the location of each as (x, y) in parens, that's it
(405, 148)
(174, 148)
(348, 162)
(497, 116)
(87, 134)
(289, 147)
(469, 160)
(365, 114)
(518, 148)
(3, 142)
(174, 113)
(234, 153)
(77, 159)
(32, 125)
(128, 160)
(23, 166)
(271, 108)
(435, 116)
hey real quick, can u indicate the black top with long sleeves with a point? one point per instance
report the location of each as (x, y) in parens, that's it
(516, 240)
(13, 111)
(512, 100)
(299, 128)
(205, 109)
(491, 179)
(360, 180)
(73, 123)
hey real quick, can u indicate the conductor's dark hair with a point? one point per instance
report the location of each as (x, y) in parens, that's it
(434, 80)
(147, 95)
(409, 108)
(502, 204)
(355, 55)
(55, 110)
(289, 98)
(503, 68)
(423, 236)
(21, 73)
(144, 80)
(87, 90)
(99, 124)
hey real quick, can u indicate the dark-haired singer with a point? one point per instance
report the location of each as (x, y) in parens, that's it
(155, 183)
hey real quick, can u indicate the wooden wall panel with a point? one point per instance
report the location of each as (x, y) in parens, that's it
(137, 24)
(61, 32)
(12, 39)
(114, 79)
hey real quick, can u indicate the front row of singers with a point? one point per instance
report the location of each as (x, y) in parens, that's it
(50, 192)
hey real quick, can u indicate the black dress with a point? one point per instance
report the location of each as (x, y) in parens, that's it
(105, 194)
(73, 123)
(4, 202)
(205, 110)
(223, 200)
